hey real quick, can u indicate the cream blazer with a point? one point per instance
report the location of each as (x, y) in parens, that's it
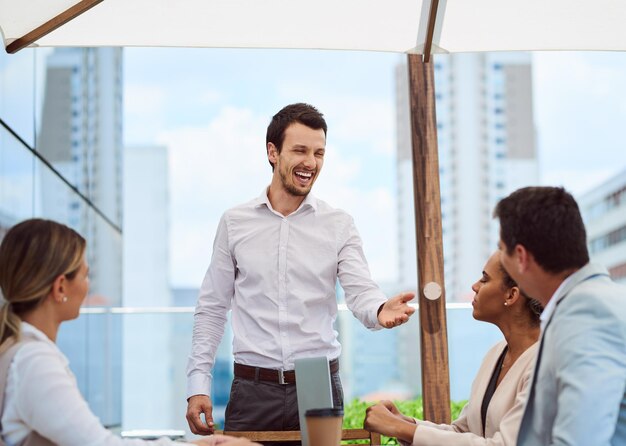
(504, 413)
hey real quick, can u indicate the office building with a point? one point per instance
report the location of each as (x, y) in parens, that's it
(604, 212)
(147, 363)
(80, 135)
(487, 148)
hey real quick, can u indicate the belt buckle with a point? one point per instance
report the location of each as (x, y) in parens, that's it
(281, 377)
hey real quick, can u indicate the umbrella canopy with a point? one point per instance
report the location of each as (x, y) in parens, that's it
(403, 26)
(391, 25)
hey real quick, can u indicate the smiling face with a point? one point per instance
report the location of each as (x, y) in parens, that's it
(301, 159)
(490, 292)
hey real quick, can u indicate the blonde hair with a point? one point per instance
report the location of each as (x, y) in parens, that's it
(33, 254)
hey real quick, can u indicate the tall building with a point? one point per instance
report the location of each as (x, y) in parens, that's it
(81, 137)
(604, 212)
(486, 140)
(147, 363)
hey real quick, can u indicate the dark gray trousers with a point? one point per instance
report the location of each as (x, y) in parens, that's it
(267, 406)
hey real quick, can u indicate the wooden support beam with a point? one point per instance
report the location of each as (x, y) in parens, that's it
(430, 31)
(51, 25)
(428, 232)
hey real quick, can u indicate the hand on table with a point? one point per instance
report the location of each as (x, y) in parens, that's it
(396, 311)
(385, 419)
(196, 405)
(218, 440)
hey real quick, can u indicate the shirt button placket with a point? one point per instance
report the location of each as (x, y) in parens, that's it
(282, 291)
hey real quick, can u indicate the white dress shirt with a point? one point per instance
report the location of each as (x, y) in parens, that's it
(279, 275)
(546, 314)
(42, 395)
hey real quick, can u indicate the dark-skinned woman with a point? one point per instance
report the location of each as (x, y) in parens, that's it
(493, 413)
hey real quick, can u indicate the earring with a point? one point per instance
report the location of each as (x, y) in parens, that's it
(506, 304)
(64, 299)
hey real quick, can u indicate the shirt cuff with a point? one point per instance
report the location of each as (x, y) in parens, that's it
(374, 324)
(198, 384)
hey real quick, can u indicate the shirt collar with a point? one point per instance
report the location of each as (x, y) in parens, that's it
(34, 332)
(309, 202)
(546, 314)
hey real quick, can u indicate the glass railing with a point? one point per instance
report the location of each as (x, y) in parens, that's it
(156, 343)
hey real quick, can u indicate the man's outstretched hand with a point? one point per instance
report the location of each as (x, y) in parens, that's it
(396, 311)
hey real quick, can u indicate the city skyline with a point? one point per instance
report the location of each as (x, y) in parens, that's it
(211, 108)
(213, 121)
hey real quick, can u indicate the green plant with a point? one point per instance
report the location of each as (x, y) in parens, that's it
(354, 415)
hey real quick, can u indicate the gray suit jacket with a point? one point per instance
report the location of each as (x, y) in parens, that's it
(578, 392)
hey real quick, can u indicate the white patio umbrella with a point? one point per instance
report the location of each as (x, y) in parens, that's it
(373, 25)
(415, 27)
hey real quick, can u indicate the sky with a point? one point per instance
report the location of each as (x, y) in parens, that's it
(211, 107)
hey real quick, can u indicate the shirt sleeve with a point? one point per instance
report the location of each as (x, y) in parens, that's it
(214, 302)
(363, 296)
(48, 401)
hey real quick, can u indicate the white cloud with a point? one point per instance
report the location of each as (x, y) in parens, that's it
(373, 210)
(580, 108)
(368, 124)
(210, 96)
(577, 181)
(212, 168)
(143, 99)
(358, 120)
(144, 112)
(16, 190)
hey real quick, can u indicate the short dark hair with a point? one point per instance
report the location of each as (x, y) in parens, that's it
(300, 112)
(547, 222)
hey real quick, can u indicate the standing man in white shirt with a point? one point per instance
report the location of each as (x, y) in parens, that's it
(275, 263)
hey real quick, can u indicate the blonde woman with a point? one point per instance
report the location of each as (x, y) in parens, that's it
(44, 279)
(494, 411)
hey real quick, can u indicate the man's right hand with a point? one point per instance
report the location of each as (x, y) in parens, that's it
(196, 405)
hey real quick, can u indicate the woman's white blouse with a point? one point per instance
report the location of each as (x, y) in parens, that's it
(42, 394)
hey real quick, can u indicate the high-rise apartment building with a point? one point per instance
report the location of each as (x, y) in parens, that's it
(486, 140)
(81, 137)
(146, 356)
(604, 212)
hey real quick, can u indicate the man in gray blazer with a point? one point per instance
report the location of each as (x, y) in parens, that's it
(578, 392)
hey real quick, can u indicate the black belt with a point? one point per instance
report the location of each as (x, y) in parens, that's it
(274, 375)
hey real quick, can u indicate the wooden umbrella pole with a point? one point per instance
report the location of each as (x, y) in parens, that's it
(428, 232)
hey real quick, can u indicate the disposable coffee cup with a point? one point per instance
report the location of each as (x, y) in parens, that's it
(324, 426)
